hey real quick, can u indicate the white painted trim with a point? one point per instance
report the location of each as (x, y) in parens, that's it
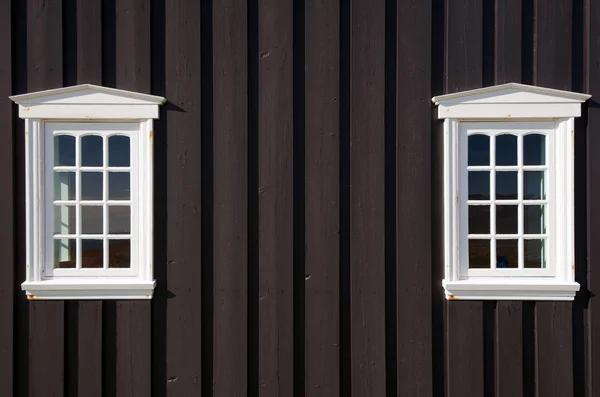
(88, 112)
(89, 289)
(73, 93)
(517, 109)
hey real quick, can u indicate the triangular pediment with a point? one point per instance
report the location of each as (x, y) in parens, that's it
(510, 93)
(86, 94)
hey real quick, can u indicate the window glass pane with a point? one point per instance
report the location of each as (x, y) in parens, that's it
(507, 219)
(479, 185)
(64, 150)
(118, 151)
(507, 254)
(119, 220)
(92, 253)
(91, 151)
(535, 222)
(535, 254)
(119, 253)
(506, 185)
(479, 149)
(506, 150)
(64, 219)
(479, 254)
(64, 186)
(534, 149)
(479, 219)
(534, 185)
(119, 186)
(91, 220)
(91, 185)
(65, 253)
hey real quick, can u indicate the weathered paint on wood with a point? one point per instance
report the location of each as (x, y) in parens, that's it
(297, 200)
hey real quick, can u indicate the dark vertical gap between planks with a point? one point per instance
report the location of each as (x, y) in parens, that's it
(300, 277)
(438, 35)
(411, 158)
(160, 200)
(46, 318)
(276, 197)
(20, 356)
(390, 248)
(529, 345)
(109, 43)
(367, 197)
(185, 243)
(230, 159)
(488, 40)
(253, 201)
(579, 81)
(489, 354)
(70, 39)
(207, 197)
(322, 199)
(109, 349)
(345, 330)
(527, 41)
(8, 236)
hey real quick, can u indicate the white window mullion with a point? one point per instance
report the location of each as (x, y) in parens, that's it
(521, 215)
(78, 220)
(493, 201)
(105, 224)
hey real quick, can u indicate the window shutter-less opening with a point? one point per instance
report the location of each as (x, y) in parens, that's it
(89, 193)
(508, 192)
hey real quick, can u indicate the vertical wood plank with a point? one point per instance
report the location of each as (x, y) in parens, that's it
(89, 316)
(230, 144)
(367, 217)
(275, 179)
(183, 83)
(46, 318)
(133, 347)
(7, 209)
(554, 329)
(593, 211)
(322, 197)
(413, 199)
(464, 320)
(508, 41)
(508, 347)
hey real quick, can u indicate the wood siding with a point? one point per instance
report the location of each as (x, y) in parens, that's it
(298, 200)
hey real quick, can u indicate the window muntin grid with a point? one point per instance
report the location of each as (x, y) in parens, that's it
(505, 221)
(97, 198)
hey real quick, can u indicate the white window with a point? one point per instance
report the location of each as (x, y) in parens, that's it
(508, 192)
(89, 193)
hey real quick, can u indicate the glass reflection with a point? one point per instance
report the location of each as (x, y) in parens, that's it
(479, 149)
(506, 185)
(64, 219)
(91, 185)
(91, 151)
(507, 219)
(91, 220)
(534, 219)
(534, 149)
(118, 151)
(506, 149)
(507, 254)
(119, 253)
(479, 254)
(92, 253)
(479, 185)
(479, 219)
(64, 150)
(119, 220)
(534, 185)
(64, 186)
(535, 254)
(119, 186)
(65, 256)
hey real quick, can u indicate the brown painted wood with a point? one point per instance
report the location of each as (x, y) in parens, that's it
(133, 318)
(593, 212)
(413, 199)
(367, 216)
(509, 349)
(507, 35)
(275, 184)
(322, 198)
(7, 205)
(464, 372)
(89, 313)
(183, 156)
(46, 319)
(552, 68)
(230, 159)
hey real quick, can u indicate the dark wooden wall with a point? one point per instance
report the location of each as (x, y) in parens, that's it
(298, 234)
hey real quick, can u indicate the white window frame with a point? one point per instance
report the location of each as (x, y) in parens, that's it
(516, 109)
(78, 110)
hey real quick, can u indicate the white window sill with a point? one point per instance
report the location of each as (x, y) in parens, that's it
(511, 289)
(60, 289)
